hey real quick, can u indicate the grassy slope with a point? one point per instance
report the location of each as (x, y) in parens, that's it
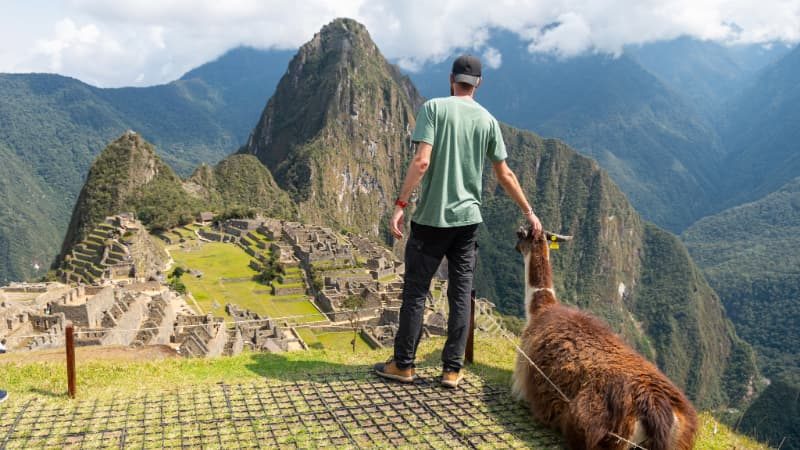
(227, 278)
(113, 379)
(219, 262)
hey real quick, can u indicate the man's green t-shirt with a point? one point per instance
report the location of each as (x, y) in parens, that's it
(462, 134)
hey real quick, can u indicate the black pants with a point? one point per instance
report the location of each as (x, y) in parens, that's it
(425, 249)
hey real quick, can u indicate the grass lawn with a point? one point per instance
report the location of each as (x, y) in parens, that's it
(260, 236)
(339, 341)
(389, 278)
(121, 379)
(227, 278)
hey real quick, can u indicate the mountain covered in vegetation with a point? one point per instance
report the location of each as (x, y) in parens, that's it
(52, 128)
(128, 176)
(633, 274)
(240, 182)
(762, 131)
(751, 256)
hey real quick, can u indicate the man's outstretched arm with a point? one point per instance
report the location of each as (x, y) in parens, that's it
(508, 180)
(417, 168)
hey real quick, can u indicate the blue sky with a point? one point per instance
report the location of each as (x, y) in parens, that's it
(145, 42)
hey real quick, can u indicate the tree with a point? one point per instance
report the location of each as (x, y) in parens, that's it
(175, 282)
(273, 269)
(353, 304)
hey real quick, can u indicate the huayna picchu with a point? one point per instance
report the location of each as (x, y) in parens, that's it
(336, 133)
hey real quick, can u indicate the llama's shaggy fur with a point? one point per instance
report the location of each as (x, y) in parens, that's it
(612, 388)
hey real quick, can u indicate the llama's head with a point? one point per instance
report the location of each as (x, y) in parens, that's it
(535, 249)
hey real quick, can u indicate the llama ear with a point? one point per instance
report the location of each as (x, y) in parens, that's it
(553, 237)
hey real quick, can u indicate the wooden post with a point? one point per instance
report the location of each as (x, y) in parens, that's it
(469, 354)
(70, 341)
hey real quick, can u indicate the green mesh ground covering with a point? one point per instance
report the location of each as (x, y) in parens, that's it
(339, 410)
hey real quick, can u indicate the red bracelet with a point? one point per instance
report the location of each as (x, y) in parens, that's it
(400, 203)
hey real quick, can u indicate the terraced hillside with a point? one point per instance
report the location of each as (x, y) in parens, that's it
(116, 248)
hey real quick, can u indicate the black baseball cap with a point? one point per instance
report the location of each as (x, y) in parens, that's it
(467, 69)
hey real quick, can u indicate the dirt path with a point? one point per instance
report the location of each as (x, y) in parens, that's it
(119, 353)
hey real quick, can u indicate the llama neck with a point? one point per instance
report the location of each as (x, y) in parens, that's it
(538, 277)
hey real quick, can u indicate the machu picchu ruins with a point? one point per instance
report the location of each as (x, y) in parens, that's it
(117, 290)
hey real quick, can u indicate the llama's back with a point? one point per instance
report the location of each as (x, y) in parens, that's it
(607, 382)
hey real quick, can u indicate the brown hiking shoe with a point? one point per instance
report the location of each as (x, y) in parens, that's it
(451, 378)
(390, 370)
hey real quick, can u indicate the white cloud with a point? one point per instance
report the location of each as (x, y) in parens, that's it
(113, 43)
(569, 36)
(492, 58)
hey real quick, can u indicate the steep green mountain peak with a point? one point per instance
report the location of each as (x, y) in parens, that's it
(336, 131)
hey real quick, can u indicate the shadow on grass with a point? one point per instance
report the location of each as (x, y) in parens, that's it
(281, 366)
(466, 413)
(60, 394)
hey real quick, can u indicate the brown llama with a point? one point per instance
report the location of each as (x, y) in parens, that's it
(613, 391)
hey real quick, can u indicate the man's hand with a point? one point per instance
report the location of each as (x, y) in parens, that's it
(396, 224)
(536, 225)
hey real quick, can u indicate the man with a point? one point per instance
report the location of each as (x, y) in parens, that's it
(3, 394)
(454, 135)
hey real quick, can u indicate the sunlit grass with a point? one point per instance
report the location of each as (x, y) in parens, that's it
(336, 341)
(104, 379)
(227, 278)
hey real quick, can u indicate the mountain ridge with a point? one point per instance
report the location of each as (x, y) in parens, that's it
(749, 254)
(761, 132)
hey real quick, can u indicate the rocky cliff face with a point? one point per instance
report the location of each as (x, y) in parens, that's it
(637, 277)
(336, 132)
